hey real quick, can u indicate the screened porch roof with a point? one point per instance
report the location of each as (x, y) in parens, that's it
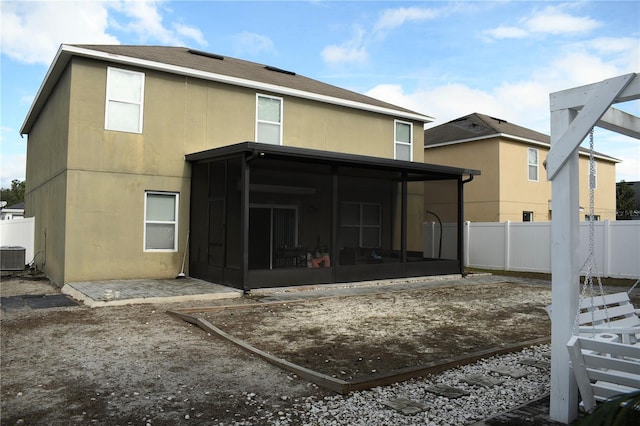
(414, 170)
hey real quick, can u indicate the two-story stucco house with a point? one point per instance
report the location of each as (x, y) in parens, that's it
(142, 156)
(513, 185)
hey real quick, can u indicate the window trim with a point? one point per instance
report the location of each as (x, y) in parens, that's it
(109, 100)
(396, 142)
(258, 121)
(176, 196)
(537, 164)
(361, 226)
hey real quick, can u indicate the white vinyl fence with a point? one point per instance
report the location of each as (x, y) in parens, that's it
(526, 246)
(18, 233)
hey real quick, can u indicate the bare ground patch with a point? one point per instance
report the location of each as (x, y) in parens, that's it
(135, 364)
(354, 337)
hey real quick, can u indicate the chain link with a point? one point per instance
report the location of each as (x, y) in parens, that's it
(590, 263)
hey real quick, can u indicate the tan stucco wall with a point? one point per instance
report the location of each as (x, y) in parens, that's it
(481, 196)
(517, 193)
(105, 224)
(45, 192)
(231, 113)
(605, 192)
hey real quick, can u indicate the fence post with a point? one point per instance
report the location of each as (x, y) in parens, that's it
(606, 246)
(507, 245)
(466, 243)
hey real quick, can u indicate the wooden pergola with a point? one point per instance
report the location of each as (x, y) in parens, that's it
(574, 112)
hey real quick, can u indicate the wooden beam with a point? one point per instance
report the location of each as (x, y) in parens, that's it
(565, 280)
(597, 104)
(577, 97)
(620, 122)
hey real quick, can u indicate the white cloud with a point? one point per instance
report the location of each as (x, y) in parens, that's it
(353, 51)
(190, 32)
(251, 43)
(393, 18)
(524, 102)
(444, 102)
(576, 69)
(33, 31)
(503, 32)
(552, 20)
(145, 20)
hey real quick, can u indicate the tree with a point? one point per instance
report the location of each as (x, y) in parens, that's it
(13, 195)
(625, 200)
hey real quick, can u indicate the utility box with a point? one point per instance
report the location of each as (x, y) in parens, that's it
(12, 258)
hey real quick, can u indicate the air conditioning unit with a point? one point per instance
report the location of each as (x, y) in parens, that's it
(12, 258)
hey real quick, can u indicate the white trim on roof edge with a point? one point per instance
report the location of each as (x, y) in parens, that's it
(518, 139)
(159, 66)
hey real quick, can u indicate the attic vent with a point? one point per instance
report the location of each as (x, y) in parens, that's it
(270, 68)
(205, 54)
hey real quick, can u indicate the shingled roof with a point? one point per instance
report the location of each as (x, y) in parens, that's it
(210, 66)
(479, 126)
(474, 127)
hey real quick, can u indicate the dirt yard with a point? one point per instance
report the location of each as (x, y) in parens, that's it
(354, 337)
(138, 365)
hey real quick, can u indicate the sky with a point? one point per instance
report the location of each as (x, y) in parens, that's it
(439, 58)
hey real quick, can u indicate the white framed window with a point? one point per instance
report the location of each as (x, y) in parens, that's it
(403, 137)
(360, 224)
(125, 98)
(269, 119)
(160, 221)
(532, 161)
(593, 180)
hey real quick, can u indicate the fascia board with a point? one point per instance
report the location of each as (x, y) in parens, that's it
(493, 136)
(174, 69)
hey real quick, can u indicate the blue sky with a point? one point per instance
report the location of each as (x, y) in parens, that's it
(443, 59)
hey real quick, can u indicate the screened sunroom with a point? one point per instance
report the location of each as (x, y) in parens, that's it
(267, 216)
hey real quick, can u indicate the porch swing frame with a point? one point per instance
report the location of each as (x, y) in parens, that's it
(574, 112)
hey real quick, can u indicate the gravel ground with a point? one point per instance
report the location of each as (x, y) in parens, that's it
(370, 407)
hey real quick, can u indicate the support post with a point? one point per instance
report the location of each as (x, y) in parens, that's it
(507, 245)
(565, 278)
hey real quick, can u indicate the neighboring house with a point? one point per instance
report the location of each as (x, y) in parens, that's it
(268, 177)
(635, 214)
(15, 211)
(513, 185)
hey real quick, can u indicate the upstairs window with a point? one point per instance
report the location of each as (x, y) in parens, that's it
(403, 135)
(125, 95)
(533, 164)
(269, 120)
(160, 221)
